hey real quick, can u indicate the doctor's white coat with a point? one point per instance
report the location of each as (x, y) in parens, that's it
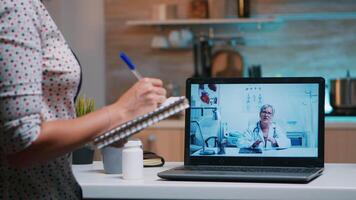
(255, 132)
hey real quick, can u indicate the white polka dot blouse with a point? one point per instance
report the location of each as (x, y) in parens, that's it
(39, 78)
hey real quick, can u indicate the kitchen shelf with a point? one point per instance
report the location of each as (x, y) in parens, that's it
(318, 16)
(258, 20)
(197, 22)
(233, 40)
(170, 48)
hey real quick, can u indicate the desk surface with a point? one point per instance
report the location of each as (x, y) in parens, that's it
(337, 182)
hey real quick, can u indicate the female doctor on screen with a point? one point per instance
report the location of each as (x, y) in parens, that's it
(39, 80)
(265, 133)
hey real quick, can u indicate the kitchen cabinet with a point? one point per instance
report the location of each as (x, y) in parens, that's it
(340, 146)
(165, 139)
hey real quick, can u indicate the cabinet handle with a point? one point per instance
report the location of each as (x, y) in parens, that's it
(152, 138)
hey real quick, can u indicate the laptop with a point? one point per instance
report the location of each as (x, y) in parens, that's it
(255, 130)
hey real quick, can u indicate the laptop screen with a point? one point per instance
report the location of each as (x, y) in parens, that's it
(255, 119)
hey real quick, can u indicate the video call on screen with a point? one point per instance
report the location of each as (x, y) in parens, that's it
(254, 120)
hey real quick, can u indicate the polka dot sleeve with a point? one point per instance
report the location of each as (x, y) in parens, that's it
(20, 76)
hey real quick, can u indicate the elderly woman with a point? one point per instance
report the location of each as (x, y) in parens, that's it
(39, 80)
(265, 133)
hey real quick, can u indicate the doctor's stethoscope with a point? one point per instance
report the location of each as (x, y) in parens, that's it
(256, 130)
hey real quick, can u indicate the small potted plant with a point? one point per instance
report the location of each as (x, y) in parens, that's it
(85, 154)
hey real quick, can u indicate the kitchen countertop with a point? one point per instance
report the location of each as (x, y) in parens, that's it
(333, 122)
(340, 122)
(337, 182)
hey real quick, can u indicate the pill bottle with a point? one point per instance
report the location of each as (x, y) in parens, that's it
(132, 160)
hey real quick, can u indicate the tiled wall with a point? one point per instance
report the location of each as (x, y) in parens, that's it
(291, 48)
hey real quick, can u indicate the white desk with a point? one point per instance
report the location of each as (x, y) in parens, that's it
(337, 183)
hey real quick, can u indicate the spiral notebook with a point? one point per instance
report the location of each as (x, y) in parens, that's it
(170, 107)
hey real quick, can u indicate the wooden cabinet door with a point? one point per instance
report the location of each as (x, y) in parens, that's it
(166, 142)
(340, 145)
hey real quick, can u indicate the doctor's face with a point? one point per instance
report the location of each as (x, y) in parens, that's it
(266, 115)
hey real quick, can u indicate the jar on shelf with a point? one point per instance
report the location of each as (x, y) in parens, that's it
(199, 9)
(243, 8)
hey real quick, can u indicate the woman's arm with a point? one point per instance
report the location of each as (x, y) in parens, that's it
(62, 136)
(24, 138)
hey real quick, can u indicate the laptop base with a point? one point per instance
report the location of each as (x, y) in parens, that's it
(187, 174)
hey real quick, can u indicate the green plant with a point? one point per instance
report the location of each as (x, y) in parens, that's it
(84, 106)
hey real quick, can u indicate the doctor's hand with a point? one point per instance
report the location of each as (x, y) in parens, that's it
(143, 97)
(272, 140)
(256, 143)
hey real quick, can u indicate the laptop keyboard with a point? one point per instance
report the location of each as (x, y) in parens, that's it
(248, 170)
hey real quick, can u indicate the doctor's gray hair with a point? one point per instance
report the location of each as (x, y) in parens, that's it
(267, 106)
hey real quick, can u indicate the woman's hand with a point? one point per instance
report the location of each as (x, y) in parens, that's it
(141, 98)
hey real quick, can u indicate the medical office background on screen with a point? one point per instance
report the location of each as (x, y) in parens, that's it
(226, 111)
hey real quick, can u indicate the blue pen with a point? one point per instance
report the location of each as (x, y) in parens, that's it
(130, 64)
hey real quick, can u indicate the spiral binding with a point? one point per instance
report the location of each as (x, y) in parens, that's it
(134, 126)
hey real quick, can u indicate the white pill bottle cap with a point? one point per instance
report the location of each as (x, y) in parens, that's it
(133, 143)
